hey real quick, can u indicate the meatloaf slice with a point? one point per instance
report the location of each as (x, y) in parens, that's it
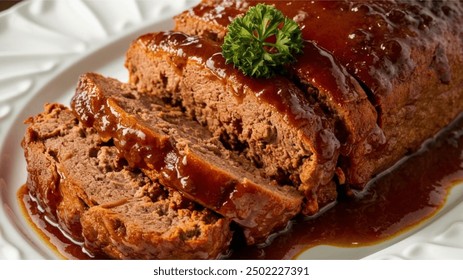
(407, 54)
(116, 211)
(319, 75)
(285, 133)
(182, 154)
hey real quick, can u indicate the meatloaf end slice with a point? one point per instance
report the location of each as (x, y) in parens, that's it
(285, 133)
(116, 211)
(183, 155)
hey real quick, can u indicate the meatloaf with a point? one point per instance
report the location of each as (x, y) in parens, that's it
(180, 153)
(407, 55)
(285, 133)
(116, 211)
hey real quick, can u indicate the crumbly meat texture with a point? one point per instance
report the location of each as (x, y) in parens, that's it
(285, 133)
(407, 55)
(117, 211)
(320, 76)
(181, 154)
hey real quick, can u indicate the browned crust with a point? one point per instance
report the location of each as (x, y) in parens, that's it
(73, 192)
(415, 86)
(259, 207)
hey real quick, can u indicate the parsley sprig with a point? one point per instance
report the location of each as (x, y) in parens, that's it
(262, 41)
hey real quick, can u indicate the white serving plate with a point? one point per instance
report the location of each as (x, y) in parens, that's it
(45, 45)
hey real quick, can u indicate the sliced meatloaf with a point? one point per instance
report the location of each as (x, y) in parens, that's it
(406, 54)
(319, 75)
(180, 153)
(116, 211)
(285, 133)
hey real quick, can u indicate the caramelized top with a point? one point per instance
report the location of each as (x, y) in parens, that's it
(373, 34)
(372, 38)
(382, 212)
(321, 70)
(151, 136)
(379, 42)
(286, 98)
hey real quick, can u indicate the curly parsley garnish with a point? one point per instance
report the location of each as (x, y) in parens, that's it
(262, 41)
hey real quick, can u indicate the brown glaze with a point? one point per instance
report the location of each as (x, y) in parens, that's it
(305, 13)
(395, 202)
(378, 35)
(405, 54)
(347, 102)
(280, 93)
(145, 148)
(320, 69)
(298, 111)
(384, 210)
(259, 206)
(369, 35)
(322, 77)
(402, 52)
(49, 232)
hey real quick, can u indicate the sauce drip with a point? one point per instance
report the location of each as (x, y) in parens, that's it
(399, 199)
(394, 202)
(49, 232)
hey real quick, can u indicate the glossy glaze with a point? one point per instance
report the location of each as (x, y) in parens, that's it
(287, 99)
(405, 55)
(393, 203)
(199, 176)
(371, 39)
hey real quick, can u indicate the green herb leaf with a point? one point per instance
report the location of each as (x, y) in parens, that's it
(262, 41)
